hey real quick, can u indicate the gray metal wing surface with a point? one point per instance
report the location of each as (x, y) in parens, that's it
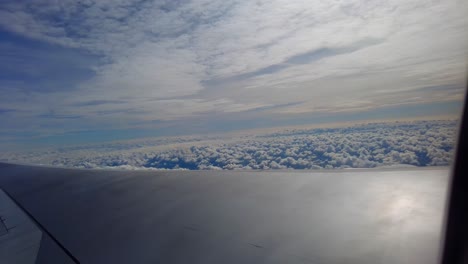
(348, 216)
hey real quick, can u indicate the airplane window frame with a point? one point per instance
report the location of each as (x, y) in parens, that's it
(455, 234)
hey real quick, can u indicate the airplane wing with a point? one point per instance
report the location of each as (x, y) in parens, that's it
(54, 215)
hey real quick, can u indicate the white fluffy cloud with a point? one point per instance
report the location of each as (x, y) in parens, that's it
(419, 143)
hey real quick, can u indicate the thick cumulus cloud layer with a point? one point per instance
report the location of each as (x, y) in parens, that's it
(419, 143)
(140, 61)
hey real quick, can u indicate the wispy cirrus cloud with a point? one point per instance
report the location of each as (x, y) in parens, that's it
(115, 63)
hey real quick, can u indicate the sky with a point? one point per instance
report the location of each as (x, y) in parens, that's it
(83, 71)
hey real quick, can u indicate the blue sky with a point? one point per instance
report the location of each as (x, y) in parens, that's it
(81, 71)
